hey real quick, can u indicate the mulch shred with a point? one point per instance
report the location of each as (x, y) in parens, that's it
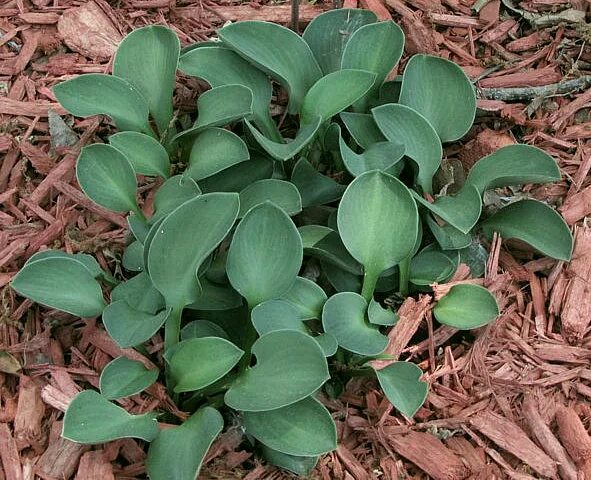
(510, 402)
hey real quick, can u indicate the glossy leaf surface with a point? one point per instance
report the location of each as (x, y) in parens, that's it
(466, 306)
(401, 383)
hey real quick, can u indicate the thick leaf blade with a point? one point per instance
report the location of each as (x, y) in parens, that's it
(534, 223)
(290, 367)
(146, 155)
(379, 156)
(274, 315)
(343, 316)
(139, 293)
(307, 297)
(283, 194)
(379, 315)
(448, 237)
(324, 243)
(431, 266)
(466, 306)
(298, 465)
(172, 194)
(201, 329)
(123, 377)
(293, 65)
(107, 178)
(99, 94)
(239, 176)
(177, 453)
(405, 126)
(62, 283)
(440, 91)
(401, 383)
(314, 188)
(304, 428)
(216, 297)
(155, 78)
(91, 419)
(362, 128)
(198, 362)
(267, 268)
(130, 327)
(512, 165)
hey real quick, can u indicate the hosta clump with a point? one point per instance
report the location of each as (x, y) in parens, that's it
(268, 277)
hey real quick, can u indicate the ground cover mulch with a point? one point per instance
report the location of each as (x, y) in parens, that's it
(510, 400)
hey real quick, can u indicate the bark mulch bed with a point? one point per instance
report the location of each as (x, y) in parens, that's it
(511, 400)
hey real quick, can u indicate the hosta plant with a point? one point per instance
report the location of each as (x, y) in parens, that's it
(279, 246)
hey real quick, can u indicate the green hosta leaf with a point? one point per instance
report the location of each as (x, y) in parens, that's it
(304, 428)
(91, 418)
(293, 65)
(285, 151)
(130, 327)
(216, 297)
(173, 193)
(214, 150)
(283, 194)
(534, 223)
(307, 297)
(440, 91)
(148, 240)
(405, 126)
(172, 260)
(343, 317)
(88, 261)
(315, 188)
(220, 66)
(512, 165)
(401, 384)
(341, 280)
(266, 268)
(475, 256)
(390, 91)
(139, 228)
(466, 306)
(290, 367)
(325, 243)
(198, 362)
(328, 33)
(376, 48)
(123, 377)
(431, 266)
(148, 58)
(107, 178)
(276, 315)
(448, 237)
(139, 293)
(220, 106)
(201, 329)
(62, 283)
(133, 257)
(177, 453)
(379, 315)
(239, 176)
(328, 344)
(379, 156)
(298, 465)
(146, 155)
(374, 242)
(362, 128)
(461, 211)
(335, 92)
(100, 94)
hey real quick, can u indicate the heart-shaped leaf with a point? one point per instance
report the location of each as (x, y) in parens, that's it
(401, 384)
(328, 33)
(267, 268)
(290, 367)
(314, 188)
(62, 283)
(139, 293)
(431, 266)
(91, 419)
(155, 78)
(362, 128)
(534, 223)
(442, 93)
(146, 155)
(513, 165)
(405, 126)
(214, 150)
(177, 453)
(107, 178)
(274, 315)
(325, 243)
(284, 151)
(307, 297)
(293, 65)
(304, 428)
(239, 176)
(466, 306)
(298, 465)
(335, 92)
(201, 329)
(123, 377)
(220, 66)
(130, 327)
(379, 156)
(373, 242)
(172, 260)
(198, 362)
(461, 211)
(173, 193)
(379, 315)
(283, 194)
(343, 317)
(99, 94)
(448, 237)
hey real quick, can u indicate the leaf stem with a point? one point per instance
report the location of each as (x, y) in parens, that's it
(404, 267)
(172, 328)
(370, 279)
(250, 336)
(139, 214)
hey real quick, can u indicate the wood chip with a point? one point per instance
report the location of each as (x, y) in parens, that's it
(28, 429)
(61, 457)
(9, 454)
(93, 466)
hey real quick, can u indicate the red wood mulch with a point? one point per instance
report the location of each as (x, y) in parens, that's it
(512, 402)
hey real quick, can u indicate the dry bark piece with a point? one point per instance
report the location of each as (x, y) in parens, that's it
(93, 466)
(9, 454)
(61, 457)
(29, 415)
(88, 31)
(223, 13)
